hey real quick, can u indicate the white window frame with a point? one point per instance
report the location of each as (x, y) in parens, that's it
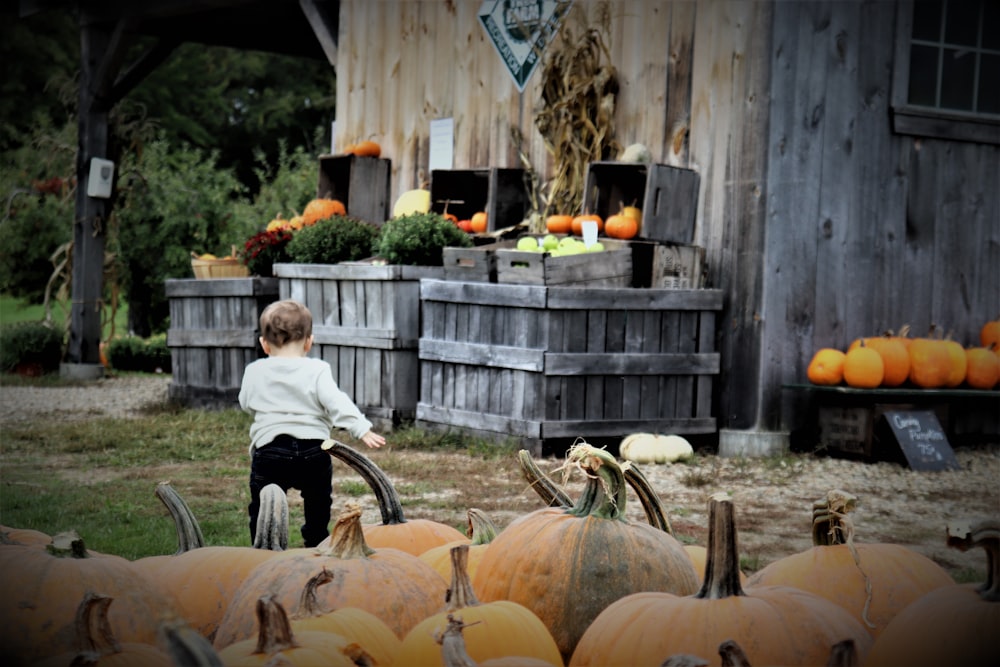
(924, 121)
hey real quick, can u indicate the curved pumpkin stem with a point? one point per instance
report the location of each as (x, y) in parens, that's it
(461, 594)
(67, 544)
(722, 564)
(186, 646)
(189, 535)
(831, 527)
(550, 492)
(309, 601)
(733, 655)
(389, 504)
(275, 633)
(453, 652)
(481, 529)
(272, 520)
(685, 660)
(93, 628)
(347, 540)
(985, 534)
(604, 493)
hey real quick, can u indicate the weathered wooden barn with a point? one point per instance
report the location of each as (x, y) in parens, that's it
(848, 152)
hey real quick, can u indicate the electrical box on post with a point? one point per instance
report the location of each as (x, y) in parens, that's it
(102, 174)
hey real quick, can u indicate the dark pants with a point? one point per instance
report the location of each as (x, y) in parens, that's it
(300, 464)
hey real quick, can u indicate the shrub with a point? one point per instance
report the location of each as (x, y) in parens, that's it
(418, 239)
(336, 239)
(132, 353)
(31, 343)
(262, 251)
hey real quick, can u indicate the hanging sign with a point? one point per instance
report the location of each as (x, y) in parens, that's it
(520, 30)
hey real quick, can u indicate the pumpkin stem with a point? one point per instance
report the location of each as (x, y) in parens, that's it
(186, 646)
(605, 492)
(481, 529)
(385, 493)
(275, 632)
(722, 564)
(550, 492)
(189, 535)
(843, 654)
(832, 526)
(685, 660)
(733, 655)
(985, 534)
(461, 594)
(93, 629)
(348, 538)
(309, 601)
(67, 544)
(656, 514)
(272, 520)
(452, 643)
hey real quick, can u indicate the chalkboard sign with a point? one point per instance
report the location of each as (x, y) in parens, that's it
(921, 439)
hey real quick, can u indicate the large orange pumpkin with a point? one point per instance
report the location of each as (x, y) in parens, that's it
(873, 581)
(951, 625)
(559, 224)
(321, 209)
(826, 367)
(776, 625)
(497, 629)
(549, 560)
(895, 357)
(396, 586)
(930, 363)
(41, 589)
(577, 225)
(989, 334)
(480, 532)
(621, 226)
(959, 363)
(982, 368)
(863, 367)
(413, 536)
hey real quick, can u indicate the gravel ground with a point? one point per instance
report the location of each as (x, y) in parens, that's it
(120, 396)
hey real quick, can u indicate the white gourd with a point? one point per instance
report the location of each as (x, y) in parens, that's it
(654, 448)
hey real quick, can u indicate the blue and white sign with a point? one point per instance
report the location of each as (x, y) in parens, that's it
(520, 30)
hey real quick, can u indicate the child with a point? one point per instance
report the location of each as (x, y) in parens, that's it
(295, 403)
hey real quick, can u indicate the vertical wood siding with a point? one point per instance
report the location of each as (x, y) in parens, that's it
(819, 223)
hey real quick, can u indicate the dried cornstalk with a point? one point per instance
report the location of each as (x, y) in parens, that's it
(575, 115)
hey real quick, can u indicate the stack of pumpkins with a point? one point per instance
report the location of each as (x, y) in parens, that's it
(928, 362)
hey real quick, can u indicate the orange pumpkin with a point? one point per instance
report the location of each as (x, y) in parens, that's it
(621, 226)
(365, 148)
(321, 209)
(481, 531)
(529, 561)
(873, 581)
(275, 643)
(41, 590)
(863, 367)
(930, 363)
(777, 625)
(479, 222)
(397, 587)
(958, 365)
(577, 224)
(559, 224)
(24, 536)
(989, 334)
(895, 357)
(982, 368)
(826, 367)
(414, 536)
(951, 625)
(495, 629)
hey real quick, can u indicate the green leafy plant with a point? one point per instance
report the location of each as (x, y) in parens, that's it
(419, 239)
(31, 344)
(132, 353)
(262, 251)
(336, 239)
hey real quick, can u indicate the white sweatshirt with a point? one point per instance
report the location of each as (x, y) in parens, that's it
(296, 396)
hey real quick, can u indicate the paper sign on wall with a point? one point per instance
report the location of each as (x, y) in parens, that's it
(520, 30)
(442, 143)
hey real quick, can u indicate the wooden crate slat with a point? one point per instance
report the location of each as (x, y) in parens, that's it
(477, 420)
(523, 296)
(557, 363)
(618, 427)
(210, 338)
(383, 339)
(479, 354)
(634, 299)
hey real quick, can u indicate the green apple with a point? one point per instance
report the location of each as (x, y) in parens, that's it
(550, 242)
(527, 243)
(596, 247)
(566, 240)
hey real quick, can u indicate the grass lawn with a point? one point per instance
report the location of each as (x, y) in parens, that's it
(14, 310)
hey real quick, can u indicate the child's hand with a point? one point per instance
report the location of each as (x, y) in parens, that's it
(373, 439)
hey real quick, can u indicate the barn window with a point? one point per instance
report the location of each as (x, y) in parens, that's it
(947, 71)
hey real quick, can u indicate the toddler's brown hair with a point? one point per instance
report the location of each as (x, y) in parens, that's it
(285, 321)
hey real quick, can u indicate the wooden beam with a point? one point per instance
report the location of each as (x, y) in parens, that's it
(324, 17)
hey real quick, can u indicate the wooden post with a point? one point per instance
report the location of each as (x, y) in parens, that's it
(82, 353)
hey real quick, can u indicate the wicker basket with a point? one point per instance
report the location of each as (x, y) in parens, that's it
(223, 267)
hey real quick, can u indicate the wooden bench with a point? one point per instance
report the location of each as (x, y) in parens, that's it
(848, 421)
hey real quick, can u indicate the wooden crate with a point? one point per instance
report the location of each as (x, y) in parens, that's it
(213, 336)
(500, 192)
(543, 364)
(611, 267)
(668, 196)
(678, 266)
(366, 324)
(360, 183)
(474, 264)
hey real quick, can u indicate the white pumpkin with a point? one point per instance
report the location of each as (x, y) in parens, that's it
(654, 448)
(412, 201)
